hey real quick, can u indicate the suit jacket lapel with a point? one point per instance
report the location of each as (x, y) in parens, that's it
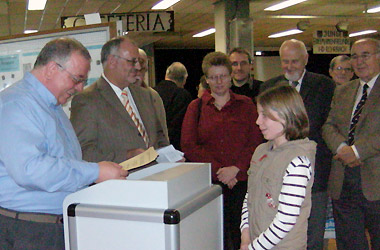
(306, 85)
(109, 95)
(140, 104)
(373, 99)
(348, 99)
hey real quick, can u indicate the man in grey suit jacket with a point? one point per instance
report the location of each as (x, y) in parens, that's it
(316, 91)
(104, 127)
(354, 183)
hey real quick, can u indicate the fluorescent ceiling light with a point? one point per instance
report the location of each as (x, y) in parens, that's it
(163, 5)
(364, 32)
(30, 31)
(285, 33)
(36, 4)
(284, 5)
(205, 33)
(374, 10)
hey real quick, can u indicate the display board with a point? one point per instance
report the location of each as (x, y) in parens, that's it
(18, 54)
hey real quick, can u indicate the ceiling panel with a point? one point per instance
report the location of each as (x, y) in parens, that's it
(192, 16)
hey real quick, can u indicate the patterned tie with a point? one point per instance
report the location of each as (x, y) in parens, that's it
(355, 117)
(295, 84)
(135, 119)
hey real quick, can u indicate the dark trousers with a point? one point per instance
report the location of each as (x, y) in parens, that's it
(25, 235)
(232, 204)
(317, 221)
(353, 213)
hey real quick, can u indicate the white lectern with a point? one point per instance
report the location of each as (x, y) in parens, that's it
(167, 206)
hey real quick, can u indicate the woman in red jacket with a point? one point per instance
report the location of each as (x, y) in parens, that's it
(220, 128)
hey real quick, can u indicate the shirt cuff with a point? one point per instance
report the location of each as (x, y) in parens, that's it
(355, 151)
(340, 146)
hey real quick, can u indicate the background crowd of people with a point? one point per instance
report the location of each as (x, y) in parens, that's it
(279, 149)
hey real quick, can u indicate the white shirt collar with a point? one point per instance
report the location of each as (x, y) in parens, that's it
(115, 88)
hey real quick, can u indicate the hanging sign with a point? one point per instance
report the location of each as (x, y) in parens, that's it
(331, 41)
(149, 21)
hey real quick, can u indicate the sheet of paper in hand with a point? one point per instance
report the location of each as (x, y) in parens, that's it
(140, 160)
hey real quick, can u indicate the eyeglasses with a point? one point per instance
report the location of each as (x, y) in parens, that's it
(365, 56)
(219, 77)
(132, 61)
(75, 79)
(242, 63)
(341, 69)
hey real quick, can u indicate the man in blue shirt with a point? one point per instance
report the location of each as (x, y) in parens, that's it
(40, 156)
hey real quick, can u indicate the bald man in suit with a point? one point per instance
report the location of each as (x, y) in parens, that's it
(316, 91)
(354, 183)
(104, 127)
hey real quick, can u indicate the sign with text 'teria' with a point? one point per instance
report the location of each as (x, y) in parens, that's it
(162, 21)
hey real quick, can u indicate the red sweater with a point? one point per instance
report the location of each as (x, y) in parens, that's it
(226, 137)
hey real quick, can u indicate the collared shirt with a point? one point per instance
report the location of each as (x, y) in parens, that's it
(40, 156)
(118, 93)
(359, 94)
(370, 84)
(298, 88)
(226, 137)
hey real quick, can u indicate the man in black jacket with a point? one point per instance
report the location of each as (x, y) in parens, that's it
(243, 82)
(176, 99)
(316, 91)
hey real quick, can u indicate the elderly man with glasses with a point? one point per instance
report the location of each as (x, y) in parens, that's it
(352, 132)
(341, 70)
(114, 118)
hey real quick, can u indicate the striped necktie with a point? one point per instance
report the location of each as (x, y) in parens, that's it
(356, 116)
(135, 119)
(295, 84)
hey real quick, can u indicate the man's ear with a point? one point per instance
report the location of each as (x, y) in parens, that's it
(306, 58)
(50, 69)
(111, 61)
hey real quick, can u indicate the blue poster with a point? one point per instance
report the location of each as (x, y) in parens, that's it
(10, 63)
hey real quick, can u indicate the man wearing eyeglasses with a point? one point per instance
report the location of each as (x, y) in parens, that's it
(243, 82)
(316, 91)
(341, 70)
(352, 132)
(40, 156)
(114, 118)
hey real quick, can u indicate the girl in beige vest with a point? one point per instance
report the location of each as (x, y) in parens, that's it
(277, 203)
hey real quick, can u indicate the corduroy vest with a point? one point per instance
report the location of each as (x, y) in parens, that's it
(266, 177)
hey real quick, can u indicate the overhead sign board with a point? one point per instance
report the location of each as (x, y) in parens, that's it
(331, 41)
(149, 21)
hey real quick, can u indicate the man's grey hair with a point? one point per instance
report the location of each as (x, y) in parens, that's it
(373, 40)
(112, 47)
(177, 72)
(337, 59)
(294, 43)
(60, 50)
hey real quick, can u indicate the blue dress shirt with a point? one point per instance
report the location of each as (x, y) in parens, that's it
(40, 156)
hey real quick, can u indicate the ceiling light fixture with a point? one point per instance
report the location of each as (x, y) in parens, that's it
(364, 32)
(205, 33)
(36, 4)
(163, 5)
(30, 31)
(286, 33)
(284, 5)
(374, 10)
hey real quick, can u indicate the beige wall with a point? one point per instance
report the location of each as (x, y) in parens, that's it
(267, 67)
